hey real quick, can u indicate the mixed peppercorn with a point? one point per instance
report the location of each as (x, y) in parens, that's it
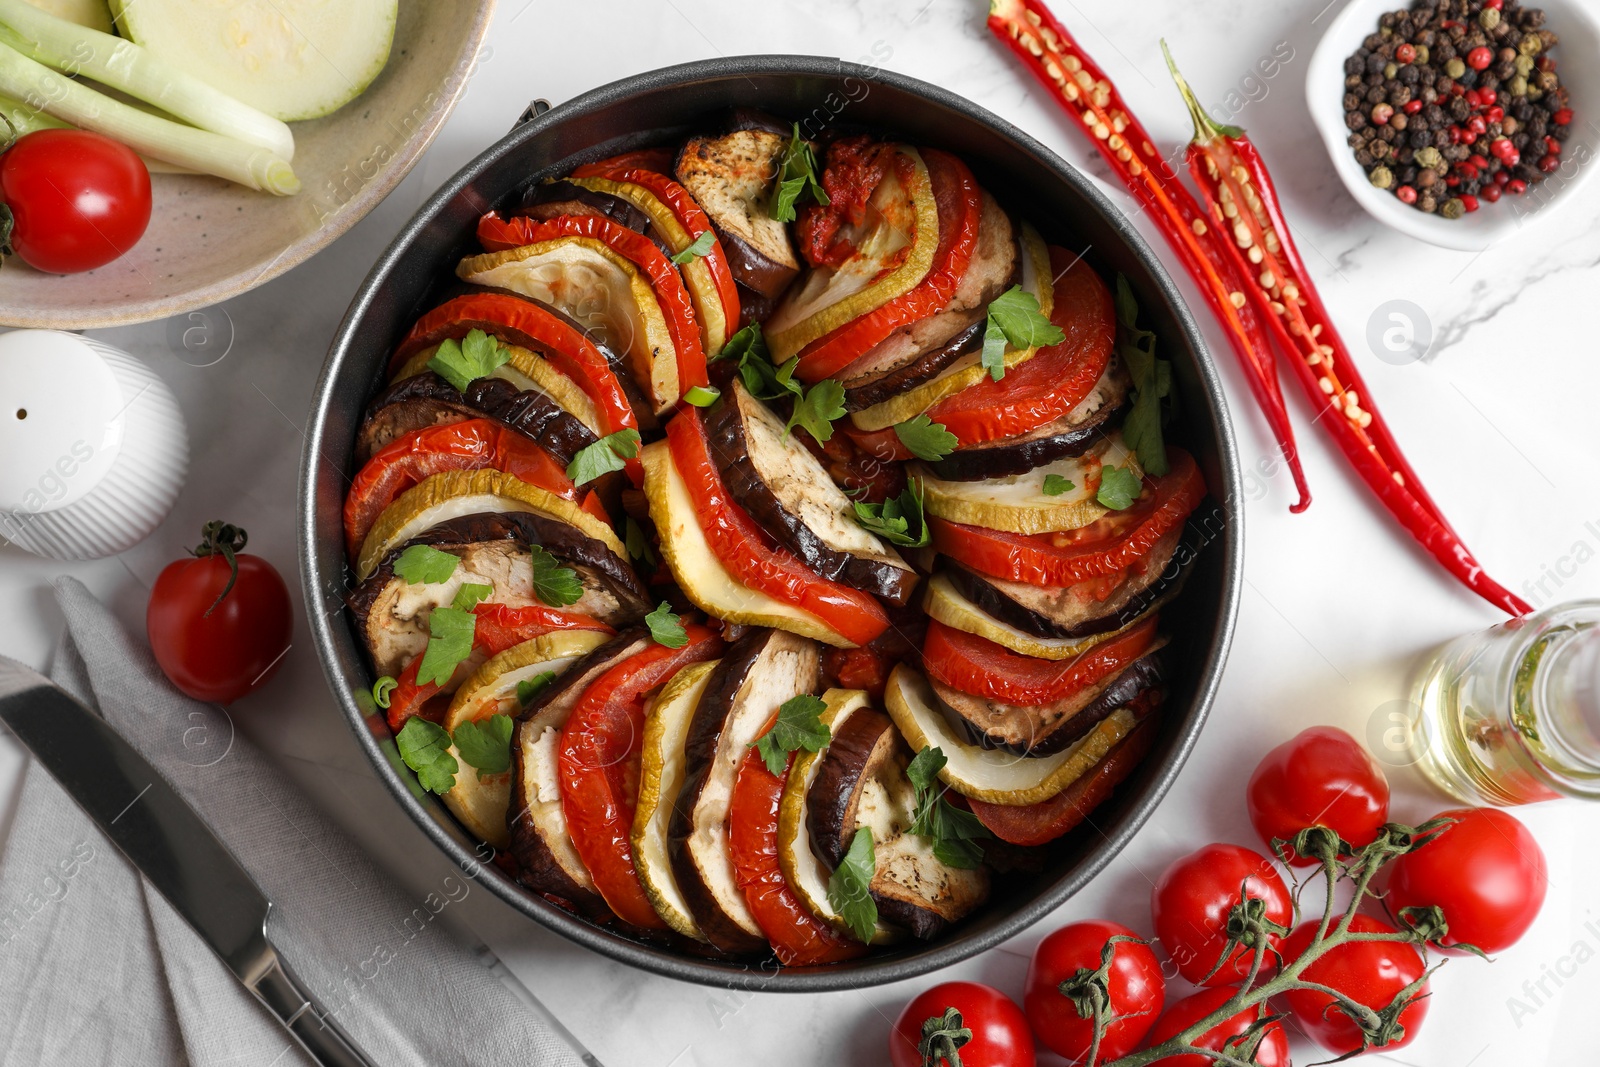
(1457, 102)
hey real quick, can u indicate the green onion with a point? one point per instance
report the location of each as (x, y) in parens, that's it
(137, 71)
(702, 396)
(18, 119)
(210, 153)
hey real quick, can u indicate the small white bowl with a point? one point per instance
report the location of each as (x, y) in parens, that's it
(1578, 63)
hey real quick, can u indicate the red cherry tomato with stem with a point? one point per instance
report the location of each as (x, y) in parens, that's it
(1133, 984)
(1191, 902)
(1368, 972)
(1319, 777)
(1000, 1036)
(1485, 871)
(1272, 1052)
(220, 623)
(78, 200)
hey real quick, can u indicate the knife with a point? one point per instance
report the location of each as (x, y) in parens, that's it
(161, 835)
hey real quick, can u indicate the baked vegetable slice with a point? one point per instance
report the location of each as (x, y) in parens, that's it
(732, 177)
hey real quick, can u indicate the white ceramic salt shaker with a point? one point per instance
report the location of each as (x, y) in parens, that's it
(92, 446)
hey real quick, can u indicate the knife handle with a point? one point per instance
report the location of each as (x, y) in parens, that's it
(316, 1031)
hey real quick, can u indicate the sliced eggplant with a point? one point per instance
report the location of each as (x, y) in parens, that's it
(757, 674)
(550, 200)
(661, 775)
(731, 177)
(424, 400)
(1077, 611)
(528, 372)
(481, 801)
(788, 491)
(1044, 730)
(392, 614)
(993, 775)
(913, 888)
(702, 577)
(929, 346)
(547, 862)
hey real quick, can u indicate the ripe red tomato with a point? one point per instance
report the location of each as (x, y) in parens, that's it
(1486, 872)
(1134, 984)
(1000, 1036)
(1191, 901)
(1272, 1052)
(78, 200)
(1319, 777)
(1368, 972)
(214, 642)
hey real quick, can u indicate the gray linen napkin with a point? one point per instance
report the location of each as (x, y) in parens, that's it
(96, 967)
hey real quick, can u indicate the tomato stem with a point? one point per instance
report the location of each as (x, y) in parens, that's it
(221, 539)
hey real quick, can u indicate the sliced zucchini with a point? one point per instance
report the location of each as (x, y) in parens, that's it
(993, 775)
(968, 370)
(661, 776)
(703, 578)
(943, 601)
(1018, 503)
(527, 371)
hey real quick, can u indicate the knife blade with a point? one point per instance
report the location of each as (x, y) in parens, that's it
(161, 835)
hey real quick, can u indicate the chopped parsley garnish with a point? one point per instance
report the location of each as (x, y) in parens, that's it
(470, 595)
(849, 887)
(637, 544)
(465, 361)
(799, 725)
(953, 832)
(529, 688)
(1119, 488)
(1152, 383)
(701, 247)
(898, 520)
(425, 565)
(450, 633)
(553, 584)
(1014, 317)
(1055, 485)
(797, 177)
(485, 745)
(426, 749)
(604, 456)
(925, 438)
(665, 627)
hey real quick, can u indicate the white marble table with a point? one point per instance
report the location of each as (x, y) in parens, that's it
(1338, 607)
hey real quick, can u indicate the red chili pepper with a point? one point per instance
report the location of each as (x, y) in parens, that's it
(1076, 82)
(1243, 202)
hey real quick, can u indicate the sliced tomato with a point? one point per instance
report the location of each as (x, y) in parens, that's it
(1038, 824)
(960, 203)
(1056, 379)
(749, 554)
(798, 938)
(519, 321)
(498, 628)
(598, 765)
(1106, 547)
(983, 668)
(655, 160)
(471, 445)
(497, 234)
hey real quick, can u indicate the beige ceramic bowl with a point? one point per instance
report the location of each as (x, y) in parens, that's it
(210, 240)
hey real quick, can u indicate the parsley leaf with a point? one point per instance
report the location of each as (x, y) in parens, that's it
(1055, 485)
(701, 247)
(927, 439)
(816, 408)
(426, 749)
(637, 544)
(665, 627)
(553, 584)
(1152, 382)
(486, 745)
(898, 520)
(1119, 488)
(449, 642)
(425, 565)
(529, 688)
(1017, 315)
(382, 690)
(470, 595)
(952, 831)
(849, 887)
(604, 456)
(994, 350)
(465, 361)
(797, 176)
(799, 725)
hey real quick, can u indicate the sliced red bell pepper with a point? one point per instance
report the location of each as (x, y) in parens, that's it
(798, 938)
(598, 765)
(960, 207)
(471, 445)
(525, 323)
(496, 234)
(749, 554)
(1106, 547)
(657, 160)
(980, 667)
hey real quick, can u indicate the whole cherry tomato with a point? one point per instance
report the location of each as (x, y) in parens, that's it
(219, 623)
(1319, 777)
(1272, 1052)
(1486, 871)
(1368, 972)
(1191, 902)
(1134, 986)
(78, 200)
(999, 1038)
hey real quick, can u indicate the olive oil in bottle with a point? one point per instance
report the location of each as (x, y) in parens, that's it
(1512, 715)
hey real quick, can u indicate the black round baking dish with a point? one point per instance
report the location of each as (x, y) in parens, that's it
(659, 106)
